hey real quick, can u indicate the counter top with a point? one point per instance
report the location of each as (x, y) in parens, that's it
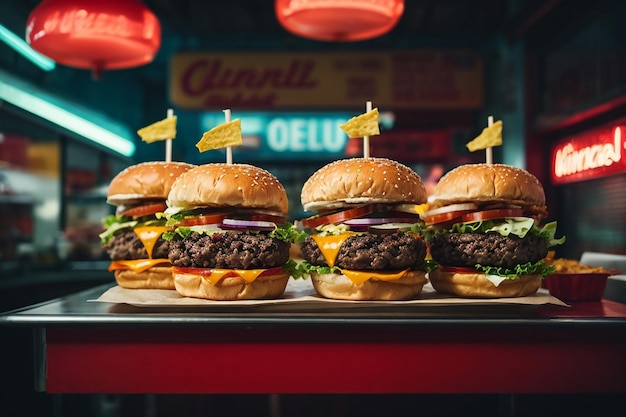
(80, 309)
(83, 346)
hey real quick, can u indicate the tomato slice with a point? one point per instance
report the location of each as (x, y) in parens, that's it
(338, 217)
(443, 217)
(264, 217)
(209, 271)
(272, 271)
(452, 208)
(478, 216)
(144, 210)
(447, 213)
(457, 269)
(215, 218)
(259, 215)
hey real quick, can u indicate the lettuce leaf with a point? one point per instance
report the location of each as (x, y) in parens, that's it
(528, 268)
(115, 224)
(548, 232)
(519, 226)
(287, 232)
(332, 229)
(304, 268)
(298, 269)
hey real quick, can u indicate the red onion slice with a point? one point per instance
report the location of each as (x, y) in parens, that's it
(378, 220)
(391, 227)
(247, 224)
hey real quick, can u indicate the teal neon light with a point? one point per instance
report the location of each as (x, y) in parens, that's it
(23, 48)
(82, 122)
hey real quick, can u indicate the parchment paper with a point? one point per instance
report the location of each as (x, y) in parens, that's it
(301, 292)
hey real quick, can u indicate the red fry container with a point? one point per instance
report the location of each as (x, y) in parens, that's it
(577, 286)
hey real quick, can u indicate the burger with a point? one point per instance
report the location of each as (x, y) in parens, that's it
(133, 237)
(485, 233)
(362, 242)
(230, 238)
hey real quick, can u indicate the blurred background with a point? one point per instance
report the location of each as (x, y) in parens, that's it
(554, 71)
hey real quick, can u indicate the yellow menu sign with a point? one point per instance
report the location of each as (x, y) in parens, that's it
(420, 79)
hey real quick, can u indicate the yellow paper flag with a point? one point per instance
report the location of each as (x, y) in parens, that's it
(221, 136)
(161, 130)
(490, 136)
(365, 124)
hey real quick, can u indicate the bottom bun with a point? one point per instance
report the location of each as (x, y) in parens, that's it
(157, 277)
(477, 286)
(231, 288)
(340, 287)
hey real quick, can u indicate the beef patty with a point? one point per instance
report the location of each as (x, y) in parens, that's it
(125, 245)
(366, 251)
(228, 250)
(489, 249)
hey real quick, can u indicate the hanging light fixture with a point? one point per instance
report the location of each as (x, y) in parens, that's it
(96, 35)
(339, 20)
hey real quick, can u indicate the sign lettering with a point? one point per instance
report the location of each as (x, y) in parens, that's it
(287, 135)
(594, 155)
(305, 135)
(433, 79)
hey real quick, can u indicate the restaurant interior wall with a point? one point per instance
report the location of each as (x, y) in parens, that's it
(138, 96)
(576, 84)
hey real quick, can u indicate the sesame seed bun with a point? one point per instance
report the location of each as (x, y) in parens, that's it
(231, 288)
(228, 185)
(147, 180)
(362, 181)
(476, 285)
(347, 183)
(488, 183)
(340, 287)
(157, 277)
(136, 187)
(488, 186)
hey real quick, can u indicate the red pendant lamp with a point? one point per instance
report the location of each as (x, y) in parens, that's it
(96, 35)
(339, 20)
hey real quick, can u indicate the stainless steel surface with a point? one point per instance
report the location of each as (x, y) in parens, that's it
(77, 310)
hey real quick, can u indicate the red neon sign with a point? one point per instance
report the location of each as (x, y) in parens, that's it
(594, 154)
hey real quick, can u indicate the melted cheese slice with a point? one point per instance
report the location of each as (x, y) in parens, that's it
(149, 236)
(359, 277)
(137, 265)
(330, 245)
(214, 275)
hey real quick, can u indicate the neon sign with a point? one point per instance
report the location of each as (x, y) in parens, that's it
(592, 155)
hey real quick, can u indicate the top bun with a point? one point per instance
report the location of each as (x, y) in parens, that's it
(148, 180)
(228, 185)
(362, 181)
(488, 183)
